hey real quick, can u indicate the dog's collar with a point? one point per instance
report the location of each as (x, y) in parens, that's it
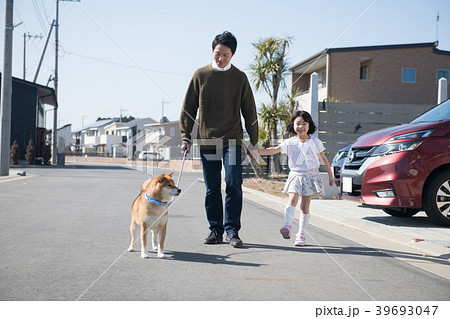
(154, 201)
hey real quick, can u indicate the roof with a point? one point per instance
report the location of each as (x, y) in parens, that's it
(98, 124)
(163, 124)
(370, 48)
(137, 121)
(45, 94)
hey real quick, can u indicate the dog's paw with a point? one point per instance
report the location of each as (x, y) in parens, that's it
(161, 255)
(155, 247)
(130, 249)
(145, 256)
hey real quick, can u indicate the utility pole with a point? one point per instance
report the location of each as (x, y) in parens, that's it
(82, 120)
(43, 54)
(55, 85)
(6, 90)
(437, 27)
(55, 80)
(163, 119)
(121, 109)
(29, 36)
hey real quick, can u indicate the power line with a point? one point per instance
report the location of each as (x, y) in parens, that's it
(122, 64)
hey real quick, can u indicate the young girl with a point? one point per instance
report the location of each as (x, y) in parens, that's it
(305, 153)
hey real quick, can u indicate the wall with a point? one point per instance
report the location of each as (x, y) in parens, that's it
(385, 76)
(342, 123)
(23, 116)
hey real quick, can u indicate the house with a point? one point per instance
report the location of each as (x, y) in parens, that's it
(132, 131)
(165, 138)
(398, 74)
(92, 138)
(64, 138)
(28, 102)
(112, 141)
(109, 137)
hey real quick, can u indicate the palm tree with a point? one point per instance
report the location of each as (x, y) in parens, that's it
(268, 73)
(293, 105)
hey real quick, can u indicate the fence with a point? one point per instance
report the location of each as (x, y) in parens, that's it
(342, 123)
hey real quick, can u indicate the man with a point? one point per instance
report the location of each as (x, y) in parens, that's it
(220, 93)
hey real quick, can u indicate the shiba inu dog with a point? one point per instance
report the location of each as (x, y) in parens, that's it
(150, 211)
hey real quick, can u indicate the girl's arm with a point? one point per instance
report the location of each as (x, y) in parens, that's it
(328, 168)
(267, 151)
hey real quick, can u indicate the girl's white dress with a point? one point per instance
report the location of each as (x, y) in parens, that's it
(304, 163)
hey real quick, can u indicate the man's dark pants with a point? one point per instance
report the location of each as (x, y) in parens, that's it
(212, 160)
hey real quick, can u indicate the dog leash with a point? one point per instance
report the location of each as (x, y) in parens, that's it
(179, 176)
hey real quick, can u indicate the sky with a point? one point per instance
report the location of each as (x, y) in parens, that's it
(133, 57)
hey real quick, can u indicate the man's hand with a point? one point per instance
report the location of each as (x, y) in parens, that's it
(254, 154)
(185, 147)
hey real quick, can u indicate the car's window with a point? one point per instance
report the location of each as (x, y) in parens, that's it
(440, 112)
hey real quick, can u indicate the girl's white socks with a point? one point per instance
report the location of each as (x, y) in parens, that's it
(303, 223)
(289, 213)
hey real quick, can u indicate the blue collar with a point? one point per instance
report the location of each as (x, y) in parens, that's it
(154, 201)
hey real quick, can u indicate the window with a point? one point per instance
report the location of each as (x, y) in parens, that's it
(365, 68)
(323, 79)
(172, 131)
(441, 74)
(364, 72)
(409, 75)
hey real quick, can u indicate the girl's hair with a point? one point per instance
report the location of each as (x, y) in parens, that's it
(306, 117)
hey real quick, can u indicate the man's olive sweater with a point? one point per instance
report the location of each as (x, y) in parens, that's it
(219, 97)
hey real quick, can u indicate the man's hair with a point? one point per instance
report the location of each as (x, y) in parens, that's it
(226, 38)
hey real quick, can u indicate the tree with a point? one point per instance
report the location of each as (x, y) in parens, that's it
(269, 117)
(293, 105)
(14, 153)
(29, 156)
(268, 72)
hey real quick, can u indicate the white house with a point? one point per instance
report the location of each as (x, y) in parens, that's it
(64, 138)
(90, 137)
(133, 132)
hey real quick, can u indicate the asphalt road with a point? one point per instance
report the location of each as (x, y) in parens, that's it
(64, 234)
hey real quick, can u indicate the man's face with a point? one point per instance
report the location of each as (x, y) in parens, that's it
(222, 55)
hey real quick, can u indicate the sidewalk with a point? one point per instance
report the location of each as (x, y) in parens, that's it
(373, 228)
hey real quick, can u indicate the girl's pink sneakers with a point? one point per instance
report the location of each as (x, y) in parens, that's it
(286, 231)
(300, 240)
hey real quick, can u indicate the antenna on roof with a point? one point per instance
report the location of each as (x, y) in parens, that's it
(437, 28)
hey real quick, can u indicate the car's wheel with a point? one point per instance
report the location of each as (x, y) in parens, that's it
(401, 212)
(437, 198)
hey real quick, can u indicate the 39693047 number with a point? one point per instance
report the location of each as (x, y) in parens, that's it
(406, 310)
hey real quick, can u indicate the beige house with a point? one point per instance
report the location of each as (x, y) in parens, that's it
(165, 138)
(400, 74)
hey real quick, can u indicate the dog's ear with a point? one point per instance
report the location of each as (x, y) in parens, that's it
(170, 174)
(161, 178)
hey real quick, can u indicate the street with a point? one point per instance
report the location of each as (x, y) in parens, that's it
(65, 234)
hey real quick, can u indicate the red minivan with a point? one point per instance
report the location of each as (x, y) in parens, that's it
(403, 169)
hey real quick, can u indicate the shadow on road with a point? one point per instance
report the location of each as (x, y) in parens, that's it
(365, 251)
(415, 221)
(97, 167)
(207, 258)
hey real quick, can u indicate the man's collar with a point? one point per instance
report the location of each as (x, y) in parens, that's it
(215, 67)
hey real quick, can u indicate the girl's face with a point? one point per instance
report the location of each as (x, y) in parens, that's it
(301, 127)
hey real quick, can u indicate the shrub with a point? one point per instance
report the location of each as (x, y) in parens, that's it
(29, 156)
(14, 153)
